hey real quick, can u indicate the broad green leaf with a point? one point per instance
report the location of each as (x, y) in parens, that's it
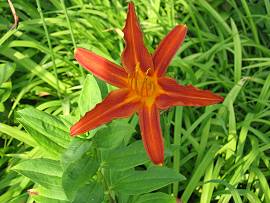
(6, 70)
(48, 131)
(42, 199)
(51, 149)
(77, 148)
(90, 94)
(126, 157)
(139, 182)
(77, 174)
(112, 135)
(45, 172)
(92, 192)
(157, 197)
(41, 194)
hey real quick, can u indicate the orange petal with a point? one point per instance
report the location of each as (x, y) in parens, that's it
(135, 52)
(179, 95)
(167, 48)
(101, 67)
(117, 104)
(151, 133)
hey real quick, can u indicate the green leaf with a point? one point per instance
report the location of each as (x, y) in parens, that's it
(112, 135)
(139, 182)
(198, 172)
(45, 172)
(90, 193)
(5, 91)
(14, 132)
(77, 148)
(6, 70)
(237, 52)
(42, 199)
(126, 157)
(157, 197)
(48, 131)
(77, 174)
(90, 94)
(41, 194)
(19, 198)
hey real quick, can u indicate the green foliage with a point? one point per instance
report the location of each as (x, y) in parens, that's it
(48, 131)
(139, 182)
(222, 150)
(134, 153)
(6, 70)
(157, 197)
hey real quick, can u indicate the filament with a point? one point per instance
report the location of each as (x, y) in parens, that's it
(141, 82)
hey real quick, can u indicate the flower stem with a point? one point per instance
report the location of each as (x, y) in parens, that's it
(177, 142)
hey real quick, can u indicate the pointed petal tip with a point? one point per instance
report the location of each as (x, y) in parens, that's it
(135, 51)
(182, 26)
(180, 95)
(168, 47)
(149, 120)
(73, 132)
(158, 162)
(220, 98)
(130, 4)
(216, 98)
(77, 52)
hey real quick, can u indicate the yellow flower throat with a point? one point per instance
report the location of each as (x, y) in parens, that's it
(142, 83)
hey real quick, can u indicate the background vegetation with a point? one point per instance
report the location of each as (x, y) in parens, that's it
(222, 150)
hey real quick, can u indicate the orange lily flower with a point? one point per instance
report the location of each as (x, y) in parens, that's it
(143, 88)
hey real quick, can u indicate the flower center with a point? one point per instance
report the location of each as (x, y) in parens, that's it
(141, 82)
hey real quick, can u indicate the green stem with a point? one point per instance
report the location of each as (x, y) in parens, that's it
(251, 22)
(71, 33)
(112, 200)
(177, 142)
(50, 46)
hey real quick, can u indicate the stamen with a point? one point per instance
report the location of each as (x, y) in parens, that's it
(145, 83)
(147, 71)
(141, 82)
(146, 88)
(136, 80)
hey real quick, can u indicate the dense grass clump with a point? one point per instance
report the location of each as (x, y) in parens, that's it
(218, 153)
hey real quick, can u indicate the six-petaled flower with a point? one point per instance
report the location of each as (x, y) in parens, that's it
(143, 87)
